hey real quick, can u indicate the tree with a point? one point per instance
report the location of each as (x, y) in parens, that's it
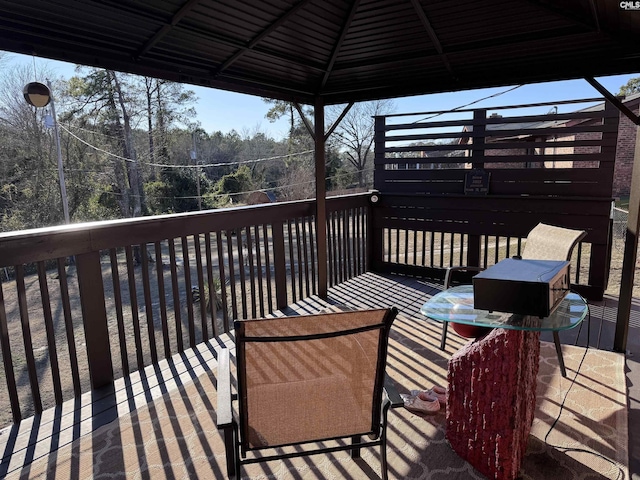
(355, 133)
(29, 193)
(631, 87)
(174, 192)
(233, 186)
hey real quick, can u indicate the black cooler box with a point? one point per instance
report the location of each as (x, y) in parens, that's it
(526, 287)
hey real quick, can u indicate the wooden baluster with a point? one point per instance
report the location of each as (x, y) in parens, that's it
(69, 329)
(51, 336)
(117, 300)
(177, 311)
(133, 301)
(148, 304)
(163, 302)
(7, 361)
(188, 285)
(201, 289)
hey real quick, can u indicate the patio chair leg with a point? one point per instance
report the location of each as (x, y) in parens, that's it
(230, 450)
(445, 325)
(355, 452)
(556, 340)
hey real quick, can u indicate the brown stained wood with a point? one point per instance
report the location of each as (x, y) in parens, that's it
(232, 275)
(49, 328)
(177, 311)
(201, 289)
(96, 331)
(279, 265)
(305, 250)
(68, 324)
(312, 248)
(26, 339)
(252, 275)
(259, 248)
(298, 246)
(133, 302)
(64, 241)
(148, 304)
(117, 301)
(188, 288)
(267, 265)
(240, 247)
(338, 240)
(211, 290)
(358, 240)
(425, 206)
(346, 244)
(458, 124)
(330, 250)
(502, 144)
(292, 262)
(451, 248)
(511, 223)
(164, 321)
(223, 281)
(406, 246)
(7, 362)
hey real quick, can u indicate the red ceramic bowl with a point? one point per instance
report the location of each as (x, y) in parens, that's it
(470, 331)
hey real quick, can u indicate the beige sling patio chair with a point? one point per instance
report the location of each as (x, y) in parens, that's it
(306, 379)
(544, 242)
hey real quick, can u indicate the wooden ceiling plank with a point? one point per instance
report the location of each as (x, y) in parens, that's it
(432, 35)
(266, 32)
(338, 45)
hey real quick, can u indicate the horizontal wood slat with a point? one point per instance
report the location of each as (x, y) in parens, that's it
(514, 144)
(594, 114)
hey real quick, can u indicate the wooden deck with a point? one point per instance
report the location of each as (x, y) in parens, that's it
(38, 437)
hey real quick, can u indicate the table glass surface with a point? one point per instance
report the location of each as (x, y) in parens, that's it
(456, 305)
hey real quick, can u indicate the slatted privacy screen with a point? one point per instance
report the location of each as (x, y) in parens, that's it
(541, 165)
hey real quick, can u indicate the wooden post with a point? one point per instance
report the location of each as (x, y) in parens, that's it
(321, 193)
(94, 316)
(478, 138)
(630, 255)
(477, 156)
(378, 150)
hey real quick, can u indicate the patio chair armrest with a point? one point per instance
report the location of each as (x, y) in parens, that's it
(459, 268)
(224, 412)
(392, 392)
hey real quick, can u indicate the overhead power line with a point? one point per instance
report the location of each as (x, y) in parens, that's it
(202, 165)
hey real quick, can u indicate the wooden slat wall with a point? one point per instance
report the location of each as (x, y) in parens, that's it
(423, 204)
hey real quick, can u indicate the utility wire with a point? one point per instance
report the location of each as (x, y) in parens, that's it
(469, 104)
(279, 187)
(221, 164)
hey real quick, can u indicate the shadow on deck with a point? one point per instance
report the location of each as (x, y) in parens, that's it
(161, 423)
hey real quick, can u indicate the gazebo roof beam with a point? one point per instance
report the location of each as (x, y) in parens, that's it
(258, 38)
(432, 35)
(336, 48)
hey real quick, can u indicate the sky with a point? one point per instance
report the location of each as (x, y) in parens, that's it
(219, 110)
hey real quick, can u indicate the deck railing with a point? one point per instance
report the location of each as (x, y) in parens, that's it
(81, 305)
(85, 304)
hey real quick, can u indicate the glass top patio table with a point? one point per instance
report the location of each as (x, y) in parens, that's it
(456, 305)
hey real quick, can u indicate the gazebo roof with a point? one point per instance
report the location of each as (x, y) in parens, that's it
(339, 50)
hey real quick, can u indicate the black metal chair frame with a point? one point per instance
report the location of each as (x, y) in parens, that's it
(237, 447)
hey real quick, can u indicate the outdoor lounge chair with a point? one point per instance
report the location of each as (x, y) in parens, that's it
(305, 379)
(544, 242)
